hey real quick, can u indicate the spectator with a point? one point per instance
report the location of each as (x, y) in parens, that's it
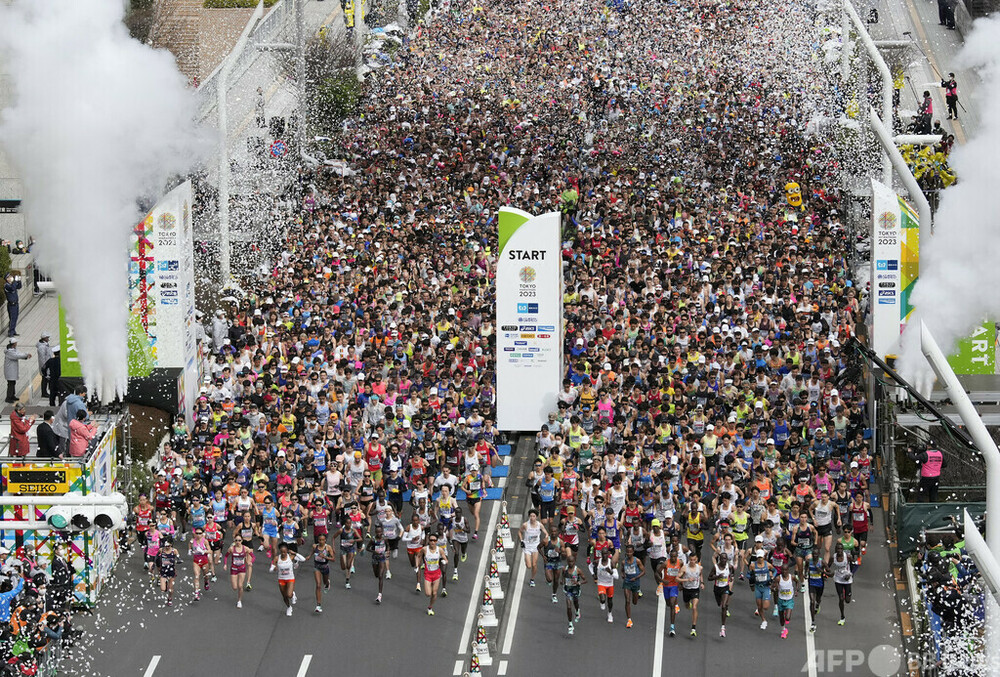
(10, 367)
(44, 355)
(77, 402)
(80, 434)
(20, 424)
(52, 374)
(10, 287)
(48, 441)
(10, 587)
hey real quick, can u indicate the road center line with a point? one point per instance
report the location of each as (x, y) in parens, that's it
(459, 667)
(306, 660)
(661, 621)
(810, 637)
(473, 613)
(151, 668)
(519, 568)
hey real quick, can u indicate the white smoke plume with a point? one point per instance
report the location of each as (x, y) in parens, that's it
(99, 120)
(959, 283)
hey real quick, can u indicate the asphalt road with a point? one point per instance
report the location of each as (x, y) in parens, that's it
(133, 633)
(541, 644)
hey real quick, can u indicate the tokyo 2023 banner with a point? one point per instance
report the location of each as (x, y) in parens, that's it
(529, 318)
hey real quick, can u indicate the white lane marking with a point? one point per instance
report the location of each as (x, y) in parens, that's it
(661, 621)
(459, 667)
(508, 638)
(502, 668)
(473, 613)
(153, 662)
(810, 637)
(306, 660)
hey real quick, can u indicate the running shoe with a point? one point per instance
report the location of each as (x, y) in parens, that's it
(249, 587)
(602, 606)
(555, 600)
(611, 619)
(677, 608)
(803, 588)
(214, 578)
(352, 568)
(395, 554)
(577, 615)
(672, 632)
(756, 612)
(418, 587)
(628, 623)
(239, 604)
(841, 621)
(659, 589)
(170, 602)
(722, 631)
(295, 598)
(812, 628)
(326, 586)
(430, 612)
(454, 576)
(388, 575)
(763, 625)
(531, 582)
(694, 632)
(347, 585)
(817, 610)
(197, 595)
(444, 592)
(775, 612)
(728, 613)
(784, 633)
(206, 583)
(318, 609)
(465, 556)
(571, 628)
(288, 611)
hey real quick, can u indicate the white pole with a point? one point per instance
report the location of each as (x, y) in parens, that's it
(225, 246)
(883, 70)
(912, 187)
(974, 426)
(991, 455)
(300, 73)
(845, 49)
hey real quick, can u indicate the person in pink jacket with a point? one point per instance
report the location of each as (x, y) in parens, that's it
(80, 434)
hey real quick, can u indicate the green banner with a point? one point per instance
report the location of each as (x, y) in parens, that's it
(140, 354)
(69, 359)
(976, 353)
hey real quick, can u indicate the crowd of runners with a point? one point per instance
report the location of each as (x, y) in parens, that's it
(704, 435)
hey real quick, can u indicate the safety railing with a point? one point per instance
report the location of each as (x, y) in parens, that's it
(267, 30)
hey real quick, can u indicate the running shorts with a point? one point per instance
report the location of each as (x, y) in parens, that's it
(690, 593)
(572, 592)
(721, 592)
(786, 604)
(669, 592)
(606, 590)
(762, 592)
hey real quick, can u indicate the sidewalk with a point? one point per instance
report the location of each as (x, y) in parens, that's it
(940, 46)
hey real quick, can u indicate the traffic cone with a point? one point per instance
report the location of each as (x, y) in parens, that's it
(504, 527)
(501, 562)
(481, 647)
(488, 615)
(494, 578)
(474, 666)
(493, 583)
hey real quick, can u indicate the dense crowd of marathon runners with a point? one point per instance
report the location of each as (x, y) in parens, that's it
(345, 431)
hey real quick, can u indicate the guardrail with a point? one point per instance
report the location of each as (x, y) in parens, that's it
(266, 30)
